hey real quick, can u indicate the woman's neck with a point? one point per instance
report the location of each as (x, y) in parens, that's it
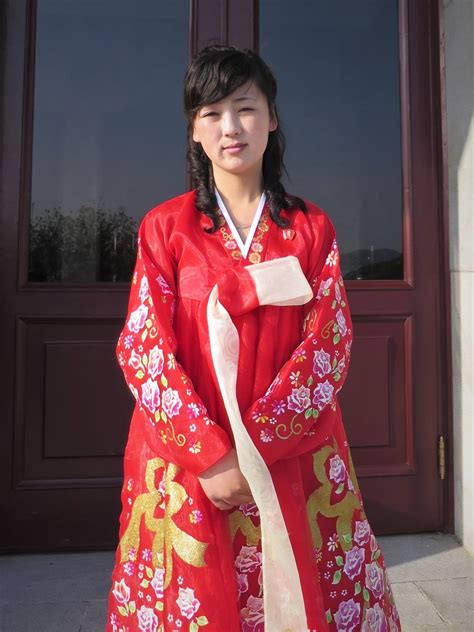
(240, 195)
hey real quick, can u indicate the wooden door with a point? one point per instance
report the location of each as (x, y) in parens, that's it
(91, 113)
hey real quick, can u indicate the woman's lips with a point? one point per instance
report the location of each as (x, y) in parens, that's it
(235, 150)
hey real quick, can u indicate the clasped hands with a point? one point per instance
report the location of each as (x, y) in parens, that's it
(224, 484)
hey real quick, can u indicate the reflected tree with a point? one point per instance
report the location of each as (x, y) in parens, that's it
(87, 246)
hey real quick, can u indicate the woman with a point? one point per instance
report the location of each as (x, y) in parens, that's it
(241, 509)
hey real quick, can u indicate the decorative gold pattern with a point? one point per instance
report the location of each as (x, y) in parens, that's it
(239, 521)
(256, 248)
(168, 536)
(319, 501)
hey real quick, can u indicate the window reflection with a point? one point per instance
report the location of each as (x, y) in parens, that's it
(109, 135)
(341, 115)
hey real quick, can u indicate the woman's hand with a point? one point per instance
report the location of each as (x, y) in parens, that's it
(224, 484)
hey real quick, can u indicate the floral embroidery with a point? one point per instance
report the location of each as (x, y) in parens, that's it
(256, 248)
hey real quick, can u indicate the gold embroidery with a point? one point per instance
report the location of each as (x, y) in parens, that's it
(295, 429)
(319, 501)
(238, 521)
(326, 330)
(168, 536)
(255, 256)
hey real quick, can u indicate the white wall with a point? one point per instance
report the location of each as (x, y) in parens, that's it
(459, 52)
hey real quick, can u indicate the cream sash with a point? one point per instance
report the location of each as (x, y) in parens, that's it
(278, 282)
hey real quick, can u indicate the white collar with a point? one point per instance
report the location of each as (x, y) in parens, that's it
(244, 248)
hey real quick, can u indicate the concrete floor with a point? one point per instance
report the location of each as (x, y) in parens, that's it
(432, 577)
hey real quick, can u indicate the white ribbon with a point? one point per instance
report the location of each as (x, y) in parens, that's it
(278, 282)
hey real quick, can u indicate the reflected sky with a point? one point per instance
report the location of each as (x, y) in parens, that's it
(108, 121)
(336, 63)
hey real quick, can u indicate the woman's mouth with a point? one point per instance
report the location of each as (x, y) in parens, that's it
(236, 148)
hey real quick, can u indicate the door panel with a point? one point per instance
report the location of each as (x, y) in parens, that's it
(91, 113)
(94, 136)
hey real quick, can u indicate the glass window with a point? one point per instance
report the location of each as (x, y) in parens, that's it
(109, 134)
(337, 66)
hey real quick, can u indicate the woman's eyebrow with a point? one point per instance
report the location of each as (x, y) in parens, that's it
(242, 98)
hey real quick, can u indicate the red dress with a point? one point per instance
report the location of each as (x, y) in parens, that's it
(182, 564)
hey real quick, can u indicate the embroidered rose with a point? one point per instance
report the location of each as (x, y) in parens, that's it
(231, 245)
(147, 619)
(347, 617)
(324, 288)
(137, 319)
(249, 509)
(252, 615)
(155, 362)
(341, 321)
(242, 582)
(135, 360)
(248, 559)
(151, 395)
(299, 400)
(362, 532)
(321, 363)
(337, 469)
(375, 620)
(187, 602)
(323, 394)
(121, 591)
(165, 288)
(354, 560)
(374, 579)
(158, 581)
(171, 402)
(144, 291)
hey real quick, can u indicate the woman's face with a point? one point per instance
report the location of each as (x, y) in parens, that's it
(242, 118)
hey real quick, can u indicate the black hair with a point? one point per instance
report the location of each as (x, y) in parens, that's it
(213, 74)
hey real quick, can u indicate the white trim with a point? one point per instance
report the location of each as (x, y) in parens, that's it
(244, 248)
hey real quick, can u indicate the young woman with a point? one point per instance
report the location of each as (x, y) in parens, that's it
(241, 509)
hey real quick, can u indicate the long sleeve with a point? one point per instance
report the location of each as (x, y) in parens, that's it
(175, 421)
(304, 389)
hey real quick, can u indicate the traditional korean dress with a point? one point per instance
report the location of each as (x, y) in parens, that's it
(241, 344)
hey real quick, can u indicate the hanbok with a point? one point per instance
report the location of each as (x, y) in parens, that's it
(246, 345)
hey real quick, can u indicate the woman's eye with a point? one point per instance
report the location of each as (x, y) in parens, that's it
(210, 114)
(249, 109)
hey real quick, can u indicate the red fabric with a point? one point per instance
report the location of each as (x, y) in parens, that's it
(177, 564)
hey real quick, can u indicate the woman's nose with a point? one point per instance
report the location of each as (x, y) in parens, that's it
(230, 124)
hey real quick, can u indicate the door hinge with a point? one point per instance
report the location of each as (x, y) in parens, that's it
(442, 458)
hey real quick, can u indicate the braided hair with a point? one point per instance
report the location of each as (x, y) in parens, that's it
(213, 74)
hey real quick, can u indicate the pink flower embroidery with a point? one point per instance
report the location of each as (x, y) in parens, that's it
(337, 469)
(144, 291)
(374, 579)
(187, 602)
(121, 591)
(252, 615)
(375, 620)
(151, 395)
(135, 360)
(354, 560)
(171, 402)
(137, 319)
(242, 582)
(248, 559)
(324, 288)
(347, 616)
(155, 362)
(341, 321)
(299, 400)
(323, 394)
(321, 363)
(147, 619)
(362, 532)
(158, 581)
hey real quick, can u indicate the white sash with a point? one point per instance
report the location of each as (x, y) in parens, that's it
(278, 282)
